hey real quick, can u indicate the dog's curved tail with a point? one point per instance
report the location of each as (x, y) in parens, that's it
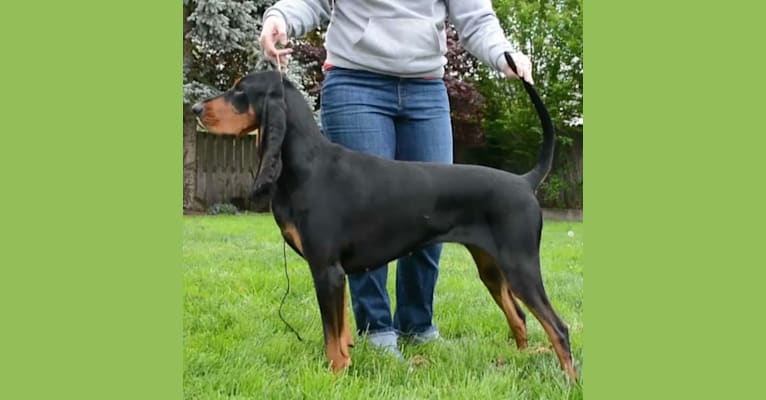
(545, 158)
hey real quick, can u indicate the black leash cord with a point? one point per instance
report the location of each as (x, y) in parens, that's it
(284, 254)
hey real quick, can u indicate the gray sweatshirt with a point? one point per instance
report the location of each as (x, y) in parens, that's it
(403, 38)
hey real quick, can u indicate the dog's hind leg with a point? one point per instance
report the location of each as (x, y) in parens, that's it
(522, 270)
(330, 285)
(498, 287)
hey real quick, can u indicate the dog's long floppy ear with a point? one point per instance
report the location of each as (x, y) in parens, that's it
(273, 121)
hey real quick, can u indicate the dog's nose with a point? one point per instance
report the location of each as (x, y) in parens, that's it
(197, 108)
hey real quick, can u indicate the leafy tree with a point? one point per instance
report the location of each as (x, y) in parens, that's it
(550, 32)
(220, 43)
(466, 102)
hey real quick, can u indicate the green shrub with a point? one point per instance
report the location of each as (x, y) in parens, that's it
(222, 208)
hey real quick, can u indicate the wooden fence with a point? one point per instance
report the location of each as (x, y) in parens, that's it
(221, 169)
(225, 167)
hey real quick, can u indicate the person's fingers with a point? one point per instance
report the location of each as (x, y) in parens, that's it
(280, 57)
(528, 75)
(528, 70)
(284, 57)
(267, 44)
(274, 31)
(509, 72)
(281, 36)
(275, 52)
(523, 67)
(272, 52)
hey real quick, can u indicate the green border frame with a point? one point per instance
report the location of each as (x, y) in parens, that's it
(670, 167)
(91, 156)
(90, 162)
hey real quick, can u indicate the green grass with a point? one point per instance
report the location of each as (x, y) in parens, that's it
(236, 347)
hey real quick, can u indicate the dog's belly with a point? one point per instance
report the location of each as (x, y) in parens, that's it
(373, 240)
(366, 257)
(387, 241)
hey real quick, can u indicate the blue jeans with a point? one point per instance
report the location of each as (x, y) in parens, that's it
(403, 119)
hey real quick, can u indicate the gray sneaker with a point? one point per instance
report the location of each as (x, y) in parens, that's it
(385, 341)
(428, 336)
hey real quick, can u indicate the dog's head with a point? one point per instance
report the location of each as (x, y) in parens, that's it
(254, 102)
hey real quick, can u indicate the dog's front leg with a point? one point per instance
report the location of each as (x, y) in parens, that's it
(330, 285)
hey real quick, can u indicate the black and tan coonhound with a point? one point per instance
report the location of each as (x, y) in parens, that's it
(345, 211)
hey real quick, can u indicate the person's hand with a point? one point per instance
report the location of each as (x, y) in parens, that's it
(275, 31)
(523, 67)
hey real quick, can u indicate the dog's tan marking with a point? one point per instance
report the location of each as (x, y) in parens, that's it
(346, 339)
(221, 118)
(514, 319)
(338, 339)
(497, 285)
(338, 360)
(290, 233)
(565, 358)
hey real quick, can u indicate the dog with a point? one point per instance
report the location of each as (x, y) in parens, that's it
(345, 211)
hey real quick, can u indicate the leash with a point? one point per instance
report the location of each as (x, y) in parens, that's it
(279, 69)
(282, 303)
(284, 243)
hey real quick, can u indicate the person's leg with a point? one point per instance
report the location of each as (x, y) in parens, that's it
(357, 112)
(424, 133)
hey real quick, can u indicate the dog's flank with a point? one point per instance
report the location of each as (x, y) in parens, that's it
(345, 211)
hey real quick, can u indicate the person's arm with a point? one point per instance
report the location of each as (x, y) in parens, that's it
(480, 33)
(300, 16)
(294, 18)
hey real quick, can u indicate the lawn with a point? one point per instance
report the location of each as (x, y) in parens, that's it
(236, 347)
